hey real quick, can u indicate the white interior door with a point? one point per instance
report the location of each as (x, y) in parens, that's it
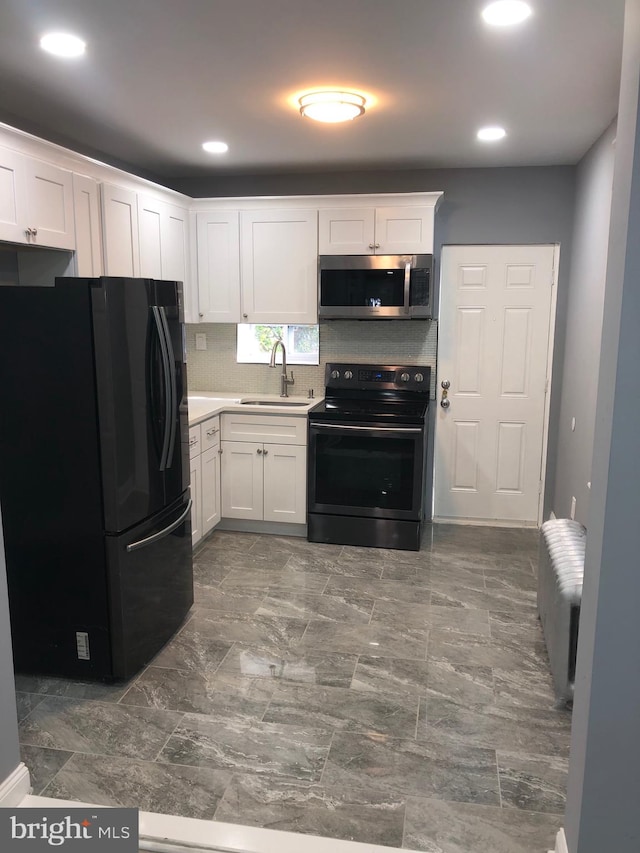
(493, 343)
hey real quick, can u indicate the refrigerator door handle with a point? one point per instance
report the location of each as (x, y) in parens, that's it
(168, 402)
(172, 384)
(141, 543)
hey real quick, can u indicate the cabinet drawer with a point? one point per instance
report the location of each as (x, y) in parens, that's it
(270, 429)
(195, 444)
(210, 433)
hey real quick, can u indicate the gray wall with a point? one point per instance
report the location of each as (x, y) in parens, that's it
(585, 300)
(9, 753)
(604, 769)
(508, 205)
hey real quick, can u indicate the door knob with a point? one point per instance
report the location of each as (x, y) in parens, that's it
(445, 403)
(445, 384)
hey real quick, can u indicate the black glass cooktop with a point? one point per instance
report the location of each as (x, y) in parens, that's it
(405, 411)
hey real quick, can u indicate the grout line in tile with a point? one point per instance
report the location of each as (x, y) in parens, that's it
(324, 766)
(42, 792)
(183, 715)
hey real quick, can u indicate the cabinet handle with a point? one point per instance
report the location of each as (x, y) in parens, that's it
(259, 452)
(212, 431)
(377, 246)
(200, 314)
(245, 316)
(266, 452)
(34, 231)
(193, 441)
(220, 451)
(371, 246)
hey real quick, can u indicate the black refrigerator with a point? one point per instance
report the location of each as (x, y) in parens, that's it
(94, 473)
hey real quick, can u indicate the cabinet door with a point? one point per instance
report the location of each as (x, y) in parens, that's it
(346, 231)
(150, 236)
(279, 252)
(218, 240)
(87, 216)
(49, 204)
(285, 483)
(210, 489)
(242, 479)
(120, 230)
(13, 209)
(404, 230)
(195, 468)
(174, 234)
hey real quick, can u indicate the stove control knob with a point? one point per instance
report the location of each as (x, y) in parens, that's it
(404, 377)
(419, 377)
(335, 374)
(348, 374)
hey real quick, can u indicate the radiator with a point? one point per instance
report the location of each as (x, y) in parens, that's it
(560, 575)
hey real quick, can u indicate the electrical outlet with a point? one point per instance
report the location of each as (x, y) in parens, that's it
(572, 514)
(201, 341)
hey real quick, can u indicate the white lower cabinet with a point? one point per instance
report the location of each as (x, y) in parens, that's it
(204, 452)
(261, 480)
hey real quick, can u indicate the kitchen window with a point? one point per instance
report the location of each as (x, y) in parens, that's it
(255, 342)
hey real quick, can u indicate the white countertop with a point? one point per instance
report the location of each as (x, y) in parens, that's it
(206, 404)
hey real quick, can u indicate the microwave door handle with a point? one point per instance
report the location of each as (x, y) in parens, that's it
(407, 287)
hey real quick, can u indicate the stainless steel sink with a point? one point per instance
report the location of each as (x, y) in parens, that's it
(290, 403)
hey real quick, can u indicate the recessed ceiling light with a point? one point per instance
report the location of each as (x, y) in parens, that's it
(215, 147)
(491, 134)
(63, 44)
(332, 106)
(506, 13)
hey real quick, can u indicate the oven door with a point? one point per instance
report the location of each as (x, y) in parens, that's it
(366, 470)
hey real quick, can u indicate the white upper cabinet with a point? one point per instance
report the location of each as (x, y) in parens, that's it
(87, 218)
(150, 236)
(376, 231)
(36, 202)
(120, 231)
(218, 239)
(279, 263)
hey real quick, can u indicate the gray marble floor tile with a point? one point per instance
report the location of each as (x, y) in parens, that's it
(513, 729)
(366, 639)
(406, 766)
(289, 752)
(343, 709)
(514, 579)
(151, 786)
(445, 827)
(200, 693)
(231, 559)
(192, 650)
(457, 619)
(50, 686)
(232, 540)
(26, 702)
(383, 556)
(523, 625)
(354, 814)
(391, 675)
(533, 782)
(407, 571)
(209, 573)
(276, 631)
(464, 685)
(315, 563)
(98, 727)
(456, 573)
(295, 665)
(411, 590)
(306, 605)
(448, 592)
(476, 650)
(531, 688)
(216, 598)
(295, 545)
(42, 764)
(253, 581)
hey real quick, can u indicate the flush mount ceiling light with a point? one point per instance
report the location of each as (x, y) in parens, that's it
(63, 44)
(215, 147)
(491, 134)
(332, 106)
(506, 13)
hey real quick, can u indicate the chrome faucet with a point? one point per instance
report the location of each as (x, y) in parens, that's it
(284, 381)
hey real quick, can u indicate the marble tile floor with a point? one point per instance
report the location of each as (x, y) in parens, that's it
(390, 697)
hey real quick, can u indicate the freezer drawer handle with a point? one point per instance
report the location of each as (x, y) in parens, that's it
(162, 533)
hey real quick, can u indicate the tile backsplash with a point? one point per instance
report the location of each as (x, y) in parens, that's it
(382, 341)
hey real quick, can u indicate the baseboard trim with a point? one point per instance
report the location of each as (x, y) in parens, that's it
(484, 522)
(15, 787)
(561, 842)
(168, 834)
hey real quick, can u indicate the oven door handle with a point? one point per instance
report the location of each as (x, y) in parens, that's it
(365, 428)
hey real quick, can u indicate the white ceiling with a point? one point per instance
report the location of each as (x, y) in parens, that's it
(162, 76)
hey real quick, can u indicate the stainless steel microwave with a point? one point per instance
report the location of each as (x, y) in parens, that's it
(375, 287)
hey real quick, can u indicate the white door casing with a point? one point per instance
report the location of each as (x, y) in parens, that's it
(495, 323)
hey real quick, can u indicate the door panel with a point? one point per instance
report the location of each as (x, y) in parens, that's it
(242, 480)
(495, 305)
(150, 586)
